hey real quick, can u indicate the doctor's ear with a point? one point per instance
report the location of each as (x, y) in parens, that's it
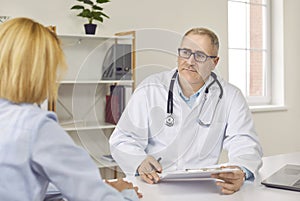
(215, 61)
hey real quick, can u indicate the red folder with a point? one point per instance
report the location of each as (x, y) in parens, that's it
(112, 112)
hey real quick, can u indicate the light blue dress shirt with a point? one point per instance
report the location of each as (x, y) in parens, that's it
(188, 100)
(35, 150)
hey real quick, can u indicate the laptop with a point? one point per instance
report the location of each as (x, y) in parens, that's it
(287, 177)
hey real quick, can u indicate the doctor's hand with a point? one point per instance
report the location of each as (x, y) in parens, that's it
(148, 170)
(232, 180)
(121, 185)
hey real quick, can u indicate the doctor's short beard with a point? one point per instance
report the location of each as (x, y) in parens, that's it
(191, 78)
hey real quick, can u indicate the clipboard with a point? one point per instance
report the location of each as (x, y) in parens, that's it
(194, 174)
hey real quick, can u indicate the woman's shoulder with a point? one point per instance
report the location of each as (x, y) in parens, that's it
(31, 115)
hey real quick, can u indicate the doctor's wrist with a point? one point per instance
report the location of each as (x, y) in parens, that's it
(248, 175)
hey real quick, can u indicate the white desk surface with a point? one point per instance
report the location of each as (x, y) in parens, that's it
(208, 191)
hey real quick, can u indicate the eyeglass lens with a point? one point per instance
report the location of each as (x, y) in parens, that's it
(198, 56)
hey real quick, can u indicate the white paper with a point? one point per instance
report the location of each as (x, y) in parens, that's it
(193, 173)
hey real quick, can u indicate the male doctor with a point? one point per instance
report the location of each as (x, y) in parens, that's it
(186, 117)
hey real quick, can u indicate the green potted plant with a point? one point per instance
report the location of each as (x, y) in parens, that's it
(92, 11)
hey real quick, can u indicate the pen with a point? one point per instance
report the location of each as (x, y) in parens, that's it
(158, 160)
(153, 168)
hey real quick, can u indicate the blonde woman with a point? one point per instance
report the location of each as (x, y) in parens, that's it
(34, 149)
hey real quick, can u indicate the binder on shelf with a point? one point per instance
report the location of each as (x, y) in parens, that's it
(117, 62)
(111, 111)
(115, 104)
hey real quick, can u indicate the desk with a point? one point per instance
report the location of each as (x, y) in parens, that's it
(207, 190)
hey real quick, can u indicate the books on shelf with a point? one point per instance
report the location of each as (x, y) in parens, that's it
(111, 111)
(115, 104)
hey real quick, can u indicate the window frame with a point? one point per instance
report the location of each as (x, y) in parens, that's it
(266, 97)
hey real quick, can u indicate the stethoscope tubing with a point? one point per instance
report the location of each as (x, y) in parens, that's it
(169, 121)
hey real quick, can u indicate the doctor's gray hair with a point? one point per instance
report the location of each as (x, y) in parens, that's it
(204, 31)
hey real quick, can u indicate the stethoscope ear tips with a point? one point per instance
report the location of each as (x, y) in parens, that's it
(169, 120)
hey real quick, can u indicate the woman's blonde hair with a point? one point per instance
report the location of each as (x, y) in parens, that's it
(30, 61)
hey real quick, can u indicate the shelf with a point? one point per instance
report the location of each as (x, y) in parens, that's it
(75, 36)
(124, 82)
(81, 104)
(71, 126)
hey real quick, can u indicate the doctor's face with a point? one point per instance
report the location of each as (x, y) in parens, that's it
(194, 61)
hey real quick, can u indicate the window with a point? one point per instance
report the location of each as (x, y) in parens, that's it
(249, 49)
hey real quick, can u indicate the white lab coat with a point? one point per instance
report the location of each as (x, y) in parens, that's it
(142, 131)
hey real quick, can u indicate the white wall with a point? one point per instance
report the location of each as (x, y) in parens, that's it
(169, 16)
(279, 131)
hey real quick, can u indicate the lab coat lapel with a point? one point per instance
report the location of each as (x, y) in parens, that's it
(190, 131)
(186, 132)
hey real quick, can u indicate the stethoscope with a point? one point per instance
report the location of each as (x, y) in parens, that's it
(169, 121)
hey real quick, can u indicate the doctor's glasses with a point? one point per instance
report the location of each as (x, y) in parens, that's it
(198, 55)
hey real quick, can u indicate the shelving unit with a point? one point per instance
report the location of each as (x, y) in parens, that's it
(82, 94)
(120, 82)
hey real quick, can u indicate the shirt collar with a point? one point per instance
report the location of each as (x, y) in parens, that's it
(194, 96)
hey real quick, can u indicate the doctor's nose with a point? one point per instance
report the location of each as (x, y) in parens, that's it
(191, 60)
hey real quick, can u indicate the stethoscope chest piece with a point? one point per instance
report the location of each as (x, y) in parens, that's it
(169, 120)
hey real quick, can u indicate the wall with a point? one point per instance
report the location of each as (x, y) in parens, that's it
(278, 131)
(169, 16)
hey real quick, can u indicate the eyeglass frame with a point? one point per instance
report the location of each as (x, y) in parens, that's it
(194, 53)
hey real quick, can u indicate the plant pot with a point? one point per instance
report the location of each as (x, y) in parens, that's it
(90, 28)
